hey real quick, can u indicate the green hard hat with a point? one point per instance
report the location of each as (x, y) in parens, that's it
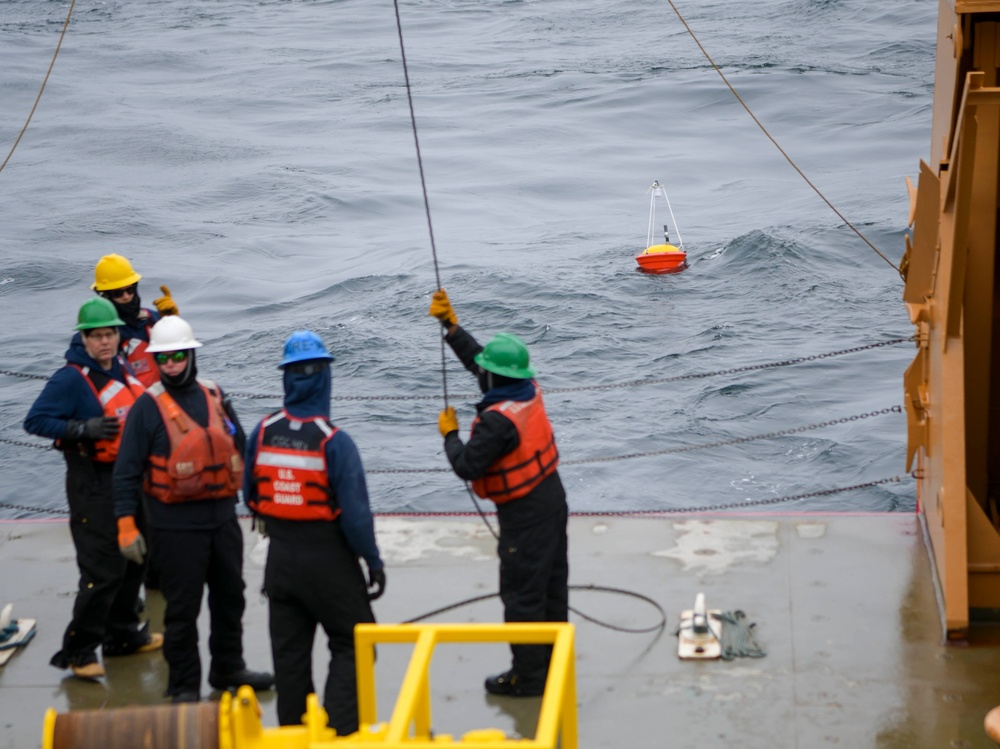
(97, 313)
(506, 355)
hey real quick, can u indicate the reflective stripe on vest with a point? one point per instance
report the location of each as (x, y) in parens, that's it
(290, 473)
(203, 462)
(116, 399)
(522, 469)
(142, 362)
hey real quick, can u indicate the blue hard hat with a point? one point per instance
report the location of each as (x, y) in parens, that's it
(304, 345)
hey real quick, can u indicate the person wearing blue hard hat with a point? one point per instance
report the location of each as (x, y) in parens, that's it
(304, 345)
(304, 481)
(512, 459)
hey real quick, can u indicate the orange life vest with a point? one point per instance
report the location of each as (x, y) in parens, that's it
(522, 469)
(141, 361)
(203, 462)
(116, 398)
(290, 472)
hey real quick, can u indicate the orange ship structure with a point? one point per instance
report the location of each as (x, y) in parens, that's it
(665, 257)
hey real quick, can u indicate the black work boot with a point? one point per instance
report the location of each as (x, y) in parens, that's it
(511, 685)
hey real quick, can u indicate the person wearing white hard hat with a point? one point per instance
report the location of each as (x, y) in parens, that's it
(181, 459)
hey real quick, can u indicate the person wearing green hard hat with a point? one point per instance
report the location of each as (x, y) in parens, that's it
(83, 407)
(511, 458)
(116, 280)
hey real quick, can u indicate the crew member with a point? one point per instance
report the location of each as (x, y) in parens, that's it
(115, 279)
(304, 480)
(83, 407)
(181, 451)
(511, 458)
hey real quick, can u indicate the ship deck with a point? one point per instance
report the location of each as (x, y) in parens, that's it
(844, 605)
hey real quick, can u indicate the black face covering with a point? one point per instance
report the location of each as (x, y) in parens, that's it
(489, 380)
(185, 378)
(129, 312)
(485, 380)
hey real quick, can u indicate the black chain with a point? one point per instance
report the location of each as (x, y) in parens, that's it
(25, 375)
(629, 456)
(35, 510)
(682, 449)
(746, 503)
(21, 443)
(734, 370)
(737, 440)
(629, 383)
(602, 513)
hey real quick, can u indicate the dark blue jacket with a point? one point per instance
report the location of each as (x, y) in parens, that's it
(67, 395)
(146, 435)
(307, 396)
(141, 330)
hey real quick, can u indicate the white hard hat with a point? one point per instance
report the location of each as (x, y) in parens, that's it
(171, 333)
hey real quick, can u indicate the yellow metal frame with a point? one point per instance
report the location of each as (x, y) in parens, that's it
(410, 724)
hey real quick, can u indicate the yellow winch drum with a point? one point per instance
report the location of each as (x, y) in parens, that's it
(234, 723)
(186, 726)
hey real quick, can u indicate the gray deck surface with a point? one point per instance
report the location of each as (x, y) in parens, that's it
(844, 606)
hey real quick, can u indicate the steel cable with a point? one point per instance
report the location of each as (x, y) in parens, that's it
(423, 187)
(38, 98)
(788, 158)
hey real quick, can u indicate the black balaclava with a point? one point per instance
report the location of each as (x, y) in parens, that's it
(186, 377)
(130, 312)
(489, 380)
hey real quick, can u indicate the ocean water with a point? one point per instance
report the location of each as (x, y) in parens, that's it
(258, 158)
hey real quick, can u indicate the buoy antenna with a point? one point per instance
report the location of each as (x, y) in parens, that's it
(656, 190)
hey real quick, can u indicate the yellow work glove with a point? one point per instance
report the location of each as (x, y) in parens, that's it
(447, 421)
(441, 308)
(166, 304)
(130, 542)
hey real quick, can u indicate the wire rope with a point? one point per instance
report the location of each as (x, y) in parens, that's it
(38, 98)
(659, 626)
(423, 187)
(788, 158)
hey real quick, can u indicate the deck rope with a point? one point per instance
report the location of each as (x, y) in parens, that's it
(788, 158)
(38, 98)
(423, 187)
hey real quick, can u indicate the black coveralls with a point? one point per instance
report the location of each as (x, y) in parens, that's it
(105, 611)
(196, 543)
(534, 570)
(313, 576)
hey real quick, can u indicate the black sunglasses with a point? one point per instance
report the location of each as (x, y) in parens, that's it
(174, 356)
(119, 293)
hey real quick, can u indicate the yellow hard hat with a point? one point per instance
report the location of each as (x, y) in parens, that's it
(113, 272)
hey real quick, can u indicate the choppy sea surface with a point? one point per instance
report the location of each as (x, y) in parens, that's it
(258, 158)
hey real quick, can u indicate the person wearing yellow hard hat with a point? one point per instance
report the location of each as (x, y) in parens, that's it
(512, 459)
(82, 407)
(116, 280)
